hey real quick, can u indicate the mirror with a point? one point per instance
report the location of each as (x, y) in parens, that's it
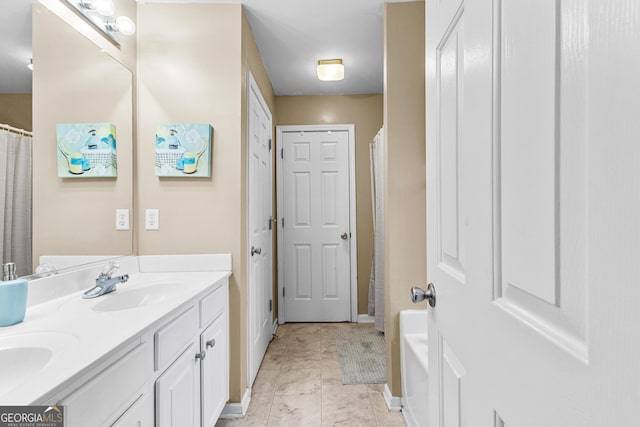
(75, 81)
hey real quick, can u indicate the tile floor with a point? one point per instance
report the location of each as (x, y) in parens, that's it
(300, 384)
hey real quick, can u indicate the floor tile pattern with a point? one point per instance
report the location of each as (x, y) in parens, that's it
(300, 384)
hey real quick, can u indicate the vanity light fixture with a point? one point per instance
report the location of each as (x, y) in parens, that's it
(123, 25)
(30, 64)
(103, 7)
(330, 69)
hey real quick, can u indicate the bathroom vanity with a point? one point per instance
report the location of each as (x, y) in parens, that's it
(153, 352)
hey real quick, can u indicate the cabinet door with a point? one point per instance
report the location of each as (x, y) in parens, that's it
(178, 392)
(215, 370)
(140, 414)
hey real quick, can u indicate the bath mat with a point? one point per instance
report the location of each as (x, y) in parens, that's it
(362, 356)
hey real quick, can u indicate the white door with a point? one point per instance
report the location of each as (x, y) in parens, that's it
(533, 202)
(260, 229)
(316, 234)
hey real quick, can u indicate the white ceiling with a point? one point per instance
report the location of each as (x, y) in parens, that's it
(291, 35)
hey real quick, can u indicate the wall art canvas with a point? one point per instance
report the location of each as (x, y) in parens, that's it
(183, 150)
(86, 150)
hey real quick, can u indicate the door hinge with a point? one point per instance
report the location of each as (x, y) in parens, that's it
(269, 144)
(283, 292)
(270, 306)
(282, 153)
(282, 222)
(270, 222)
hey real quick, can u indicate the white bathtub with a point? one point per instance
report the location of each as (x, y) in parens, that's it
(413, 365)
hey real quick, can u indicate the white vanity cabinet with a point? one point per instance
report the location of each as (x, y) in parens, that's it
(173, 374)
(195, 387)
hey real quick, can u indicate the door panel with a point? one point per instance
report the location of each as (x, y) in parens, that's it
(302, 279)
(213, 372)
(449, 77)
(316, 264)
(528, 142)
(450, 385)
(540, 263)
(178, 392)
(302, 199)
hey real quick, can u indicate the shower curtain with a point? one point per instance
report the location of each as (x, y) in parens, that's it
(376, 282)
(15, 198)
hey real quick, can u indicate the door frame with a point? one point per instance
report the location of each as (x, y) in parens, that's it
(353, 241)
(252, 85)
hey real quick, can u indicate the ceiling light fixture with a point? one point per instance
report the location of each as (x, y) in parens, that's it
(123, 25)
(30, 64)
(330, 70)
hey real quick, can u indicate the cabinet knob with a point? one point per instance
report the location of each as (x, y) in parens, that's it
(201, 355)
(211, 343)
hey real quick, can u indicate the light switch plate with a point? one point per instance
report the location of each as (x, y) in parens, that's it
(122, 219)
(152, 219)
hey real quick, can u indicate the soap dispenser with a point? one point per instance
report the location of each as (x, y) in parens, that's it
(13, 296)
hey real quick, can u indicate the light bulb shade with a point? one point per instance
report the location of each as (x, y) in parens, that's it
(330, 69)
(125, 25)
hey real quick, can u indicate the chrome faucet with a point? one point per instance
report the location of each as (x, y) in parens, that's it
(105, 282)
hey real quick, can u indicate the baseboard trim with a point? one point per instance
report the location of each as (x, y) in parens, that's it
(236, 410)
(394, 403)
(365, 318)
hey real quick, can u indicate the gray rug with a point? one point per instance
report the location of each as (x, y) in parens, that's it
(362, 356)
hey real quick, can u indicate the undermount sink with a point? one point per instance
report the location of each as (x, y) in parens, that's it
(25, 355)
(128, 299)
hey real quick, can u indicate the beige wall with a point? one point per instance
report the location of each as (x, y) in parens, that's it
(405, 189)
(74, 82)
(192, 74)
(197, 73)
(365, 111)
(15, 110)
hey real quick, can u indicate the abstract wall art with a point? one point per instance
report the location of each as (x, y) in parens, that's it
(86, 150)
(183, 150)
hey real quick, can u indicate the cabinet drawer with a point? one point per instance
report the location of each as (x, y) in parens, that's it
(173, 338)
(110, 393)
(140, 414)
(213, 305)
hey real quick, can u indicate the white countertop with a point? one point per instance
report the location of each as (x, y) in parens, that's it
(81, 336)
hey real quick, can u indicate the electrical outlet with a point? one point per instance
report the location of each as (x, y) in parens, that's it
(152, 219)
(122, 219)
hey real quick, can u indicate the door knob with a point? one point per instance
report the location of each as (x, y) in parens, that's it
(344, 236)
(255, 251)
(211, 343)
(201, 355)
(418, 295)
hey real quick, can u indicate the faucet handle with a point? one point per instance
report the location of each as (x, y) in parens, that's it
(110, 268)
